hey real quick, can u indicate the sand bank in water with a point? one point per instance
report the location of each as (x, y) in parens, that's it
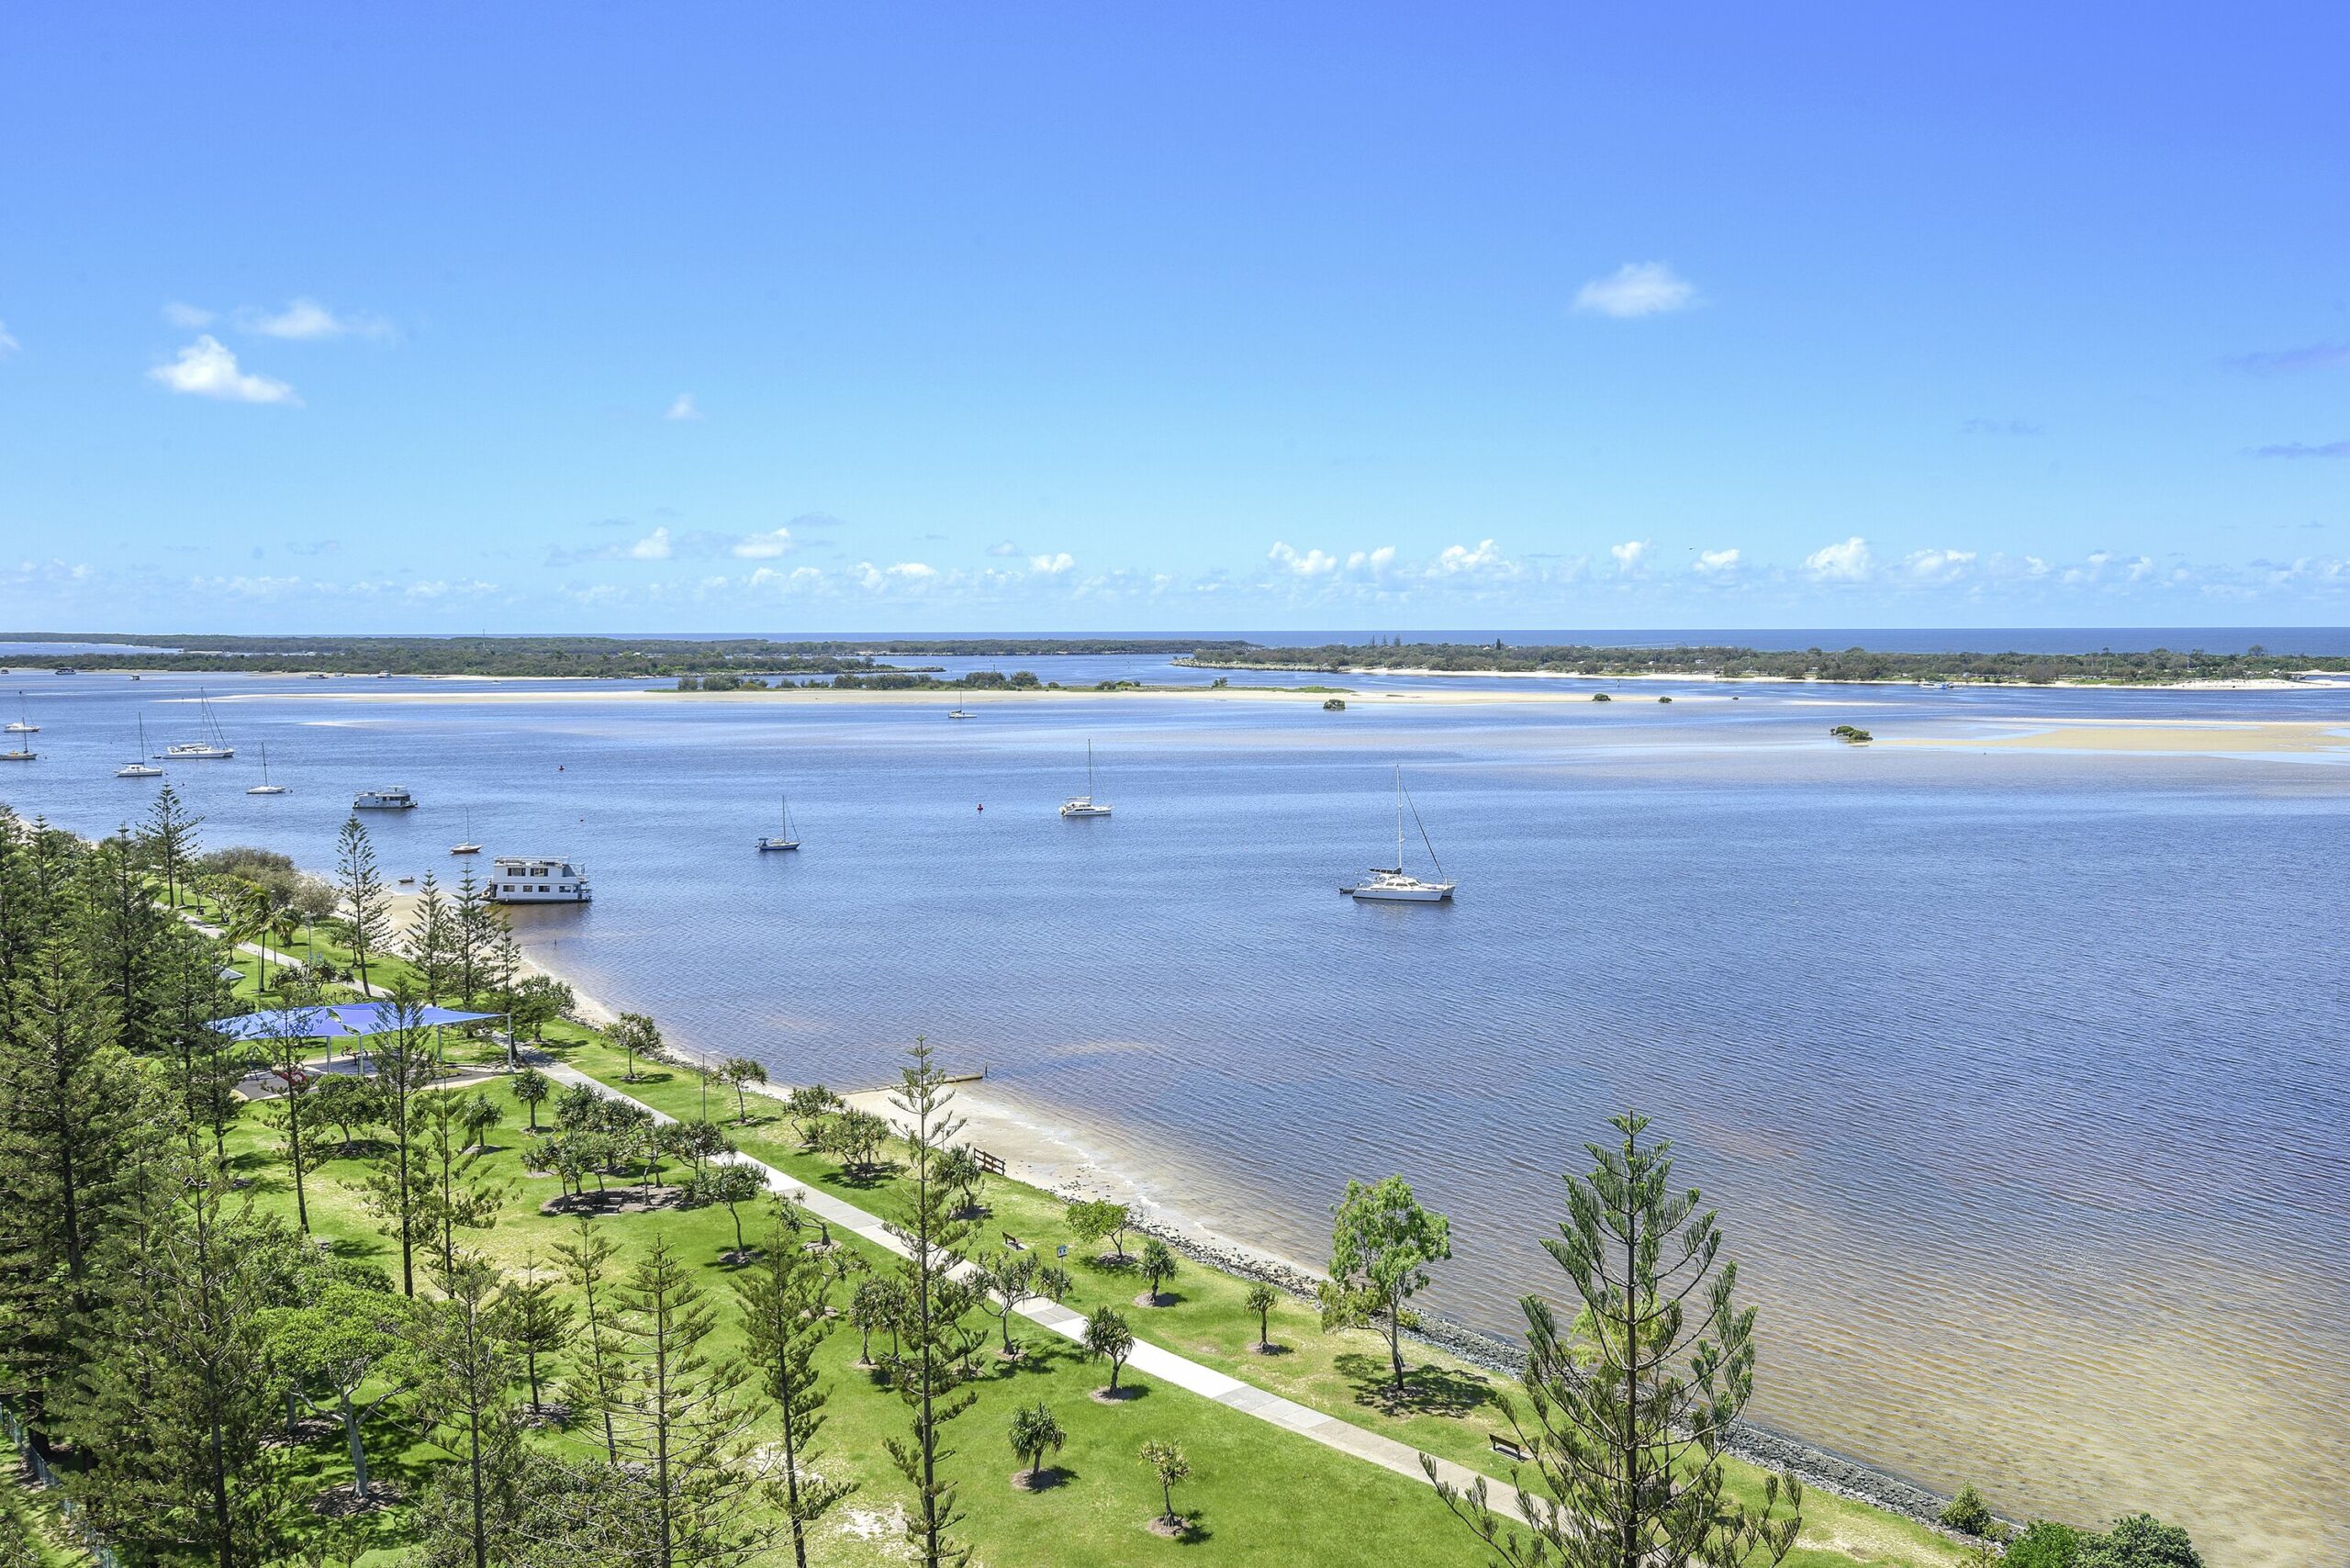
(2153, 735)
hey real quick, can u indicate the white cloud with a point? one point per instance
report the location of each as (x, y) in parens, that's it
(181, 314)
(763, 546)
(1052, 566)
(913, 571)
(8, 344)
(1715, 563)
(653, 547)
(1630, 555)
(1310, 563)
(683, 407)
(1936, 566)
(1848, 562)
(207, 369)
(1486, 559)
(305, 319)
(1371, 562)
(1634, 289)
(1003, 549)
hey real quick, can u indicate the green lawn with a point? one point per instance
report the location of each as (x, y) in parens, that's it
(1262, 1493)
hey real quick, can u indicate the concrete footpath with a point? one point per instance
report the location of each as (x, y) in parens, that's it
(1151, 1360)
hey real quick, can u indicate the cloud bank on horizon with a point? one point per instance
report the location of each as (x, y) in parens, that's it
(1702, 323)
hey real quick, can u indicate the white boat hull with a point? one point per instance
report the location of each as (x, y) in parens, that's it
(196, 754)
(767, 844)
(266, 789)
(1437, 892)
(1084, 808)
(138, 770)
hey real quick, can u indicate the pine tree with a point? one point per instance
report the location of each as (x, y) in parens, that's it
(459, 1196)
(534, 1322)
(475, 926)
(925, 1369)
(682, 1420)
(284, 1046)
(785, 1298)
(460, 1381)
(429, 936)
(399, 1189)
(588, 1264)
(366, 923)
(1626, 1408)
(181, 1391)
(124, 933)
(168, 842)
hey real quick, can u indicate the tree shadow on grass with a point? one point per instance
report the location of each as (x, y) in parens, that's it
(864, 1178)
(1428, 1391)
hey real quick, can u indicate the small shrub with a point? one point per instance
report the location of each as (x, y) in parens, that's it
(1601, 697)
(1968, 1512)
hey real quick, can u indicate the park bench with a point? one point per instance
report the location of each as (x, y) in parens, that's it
(1507, 1448)
(1014, 1243)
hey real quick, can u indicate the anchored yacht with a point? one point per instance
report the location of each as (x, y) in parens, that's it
(265, 786)
(23, 723)
(1085, 805)
(136, 767)
(1393, 884)
(519, 879)
(787, 839)
(212, 748)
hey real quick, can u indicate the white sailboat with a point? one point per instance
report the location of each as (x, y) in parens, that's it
(22, 725)
(265, 786)
(468, 846)
(1393, 884)
(787, 839)
(1085, 805)
(138, 766)
(21, 752)
(213, 748)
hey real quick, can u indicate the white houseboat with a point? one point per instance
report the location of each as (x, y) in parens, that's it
(383, 800)
(519, 879)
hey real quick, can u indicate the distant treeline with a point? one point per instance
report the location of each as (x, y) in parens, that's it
(608, 657)
(2158, 667)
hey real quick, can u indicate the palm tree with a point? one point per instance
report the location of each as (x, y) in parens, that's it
(246, 911)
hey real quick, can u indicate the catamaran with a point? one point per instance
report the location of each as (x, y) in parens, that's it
(265, 786)
(137, 767)
(213, 748)
(787, 839)
(1085, 805)
(1392, 884)
(23, 723)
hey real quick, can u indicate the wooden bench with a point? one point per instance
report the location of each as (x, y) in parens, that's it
(1014, 1243)
(1507, 1448)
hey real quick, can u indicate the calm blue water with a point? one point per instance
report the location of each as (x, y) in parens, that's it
(2018, 1074)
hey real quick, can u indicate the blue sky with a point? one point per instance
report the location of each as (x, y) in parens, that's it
(1102, 317)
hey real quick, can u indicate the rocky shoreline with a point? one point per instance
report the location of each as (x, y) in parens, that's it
(1814, 1466)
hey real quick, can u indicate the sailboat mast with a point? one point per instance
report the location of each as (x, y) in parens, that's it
(1399, 818)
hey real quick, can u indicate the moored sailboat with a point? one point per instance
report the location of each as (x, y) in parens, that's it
(1393, 884)
(1085, 805)
(787, 839)
(265, 786)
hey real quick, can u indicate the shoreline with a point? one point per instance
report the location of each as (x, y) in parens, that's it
(2258, 683)
(1036, 1154)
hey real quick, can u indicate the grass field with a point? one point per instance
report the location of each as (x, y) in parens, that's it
(1259, 1493)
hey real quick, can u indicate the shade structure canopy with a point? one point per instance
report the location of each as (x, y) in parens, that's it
(344, 1020)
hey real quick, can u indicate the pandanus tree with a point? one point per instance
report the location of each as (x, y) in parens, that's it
(1034, 1430)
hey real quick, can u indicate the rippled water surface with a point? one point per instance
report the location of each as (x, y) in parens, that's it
(2018, 1074)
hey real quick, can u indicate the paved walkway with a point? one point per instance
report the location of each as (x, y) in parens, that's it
(1151, 1360)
